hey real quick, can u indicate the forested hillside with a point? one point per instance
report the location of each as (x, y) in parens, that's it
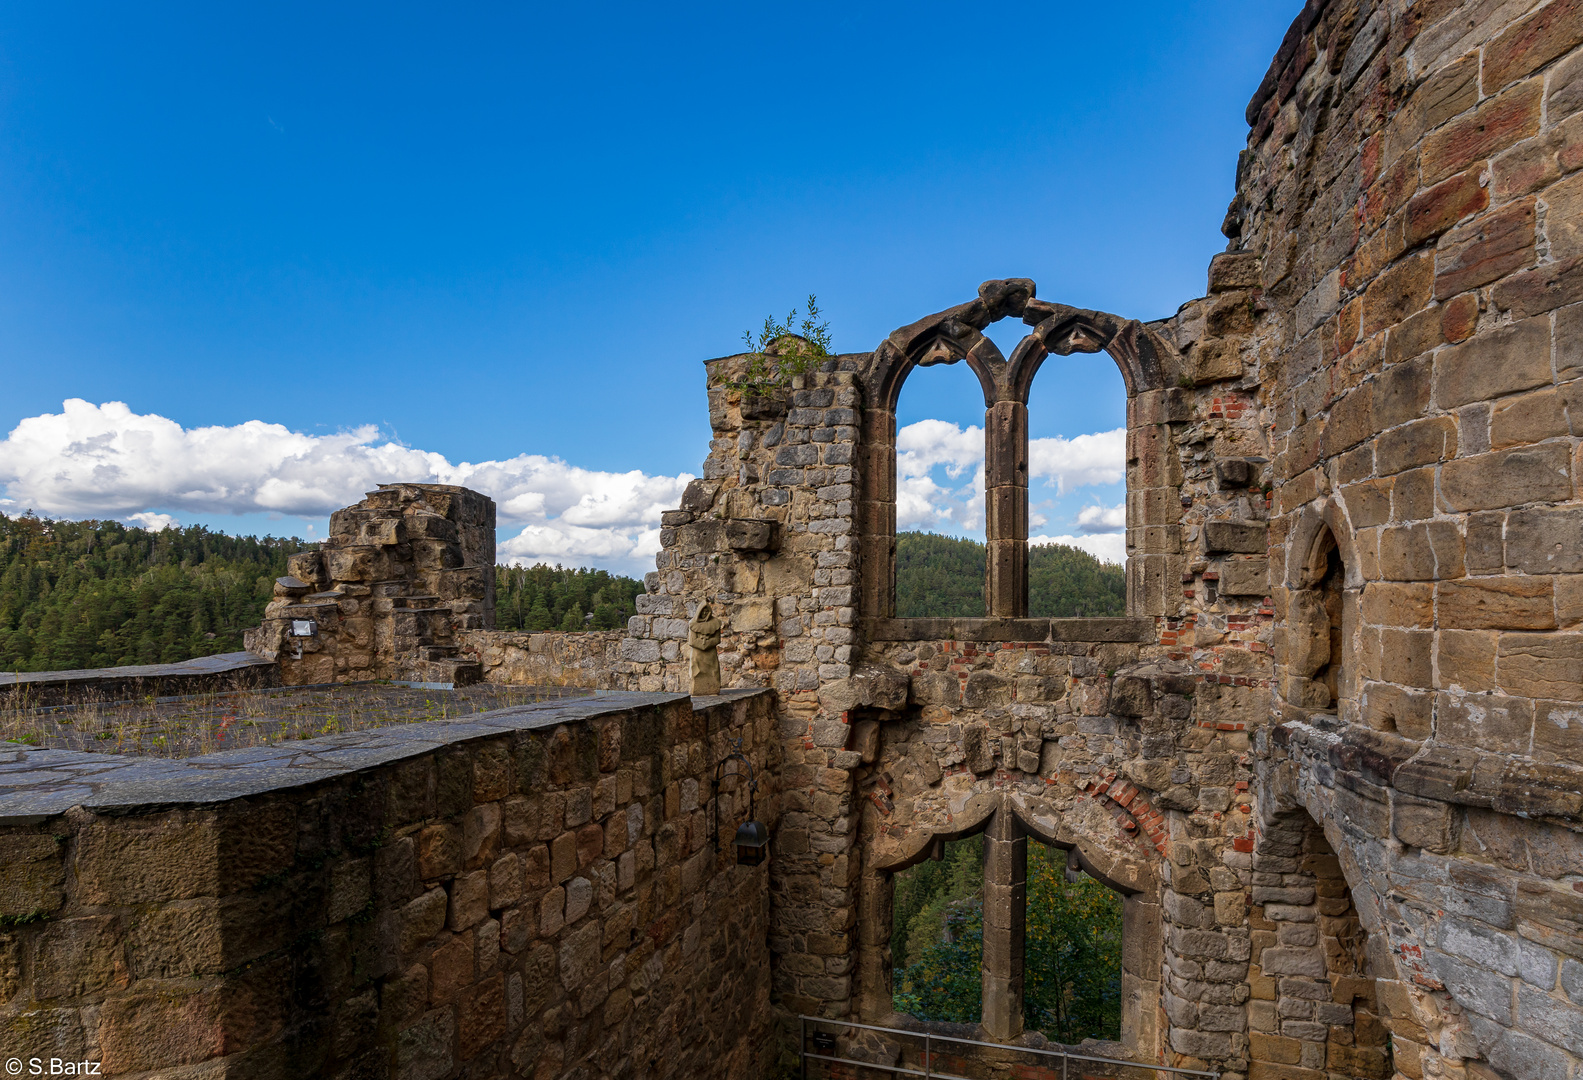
(943, 577)
(77, 594)
(81, 594)
(555, 598)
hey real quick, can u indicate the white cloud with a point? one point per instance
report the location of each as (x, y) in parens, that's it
(1106, 547)
(922, 446)
(153, 522)
(107, 461)
(958, 453)
(1102, 519)
(1100, 458)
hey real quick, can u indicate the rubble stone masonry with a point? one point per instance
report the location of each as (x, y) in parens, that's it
(1331, 757)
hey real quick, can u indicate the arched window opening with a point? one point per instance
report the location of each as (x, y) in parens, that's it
(1317, 662)
(937, 934)
(1138, 450)
(1314, 1004)
(1069, 954)
(940, 561)
(1077, 488)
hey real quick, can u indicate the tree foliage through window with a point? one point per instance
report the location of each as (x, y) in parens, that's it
(943, 577)
(1071, 945)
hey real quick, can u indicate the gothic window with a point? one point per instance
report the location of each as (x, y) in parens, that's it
(956, 336)
(992, 930)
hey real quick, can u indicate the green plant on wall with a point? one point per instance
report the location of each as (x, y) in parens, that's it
(781, 353)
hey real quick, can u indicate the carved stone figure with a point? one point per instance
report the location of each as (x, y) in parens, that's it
(703, 639)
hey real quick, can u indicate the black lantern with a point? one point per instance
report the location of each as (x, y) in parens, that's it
(752, 843)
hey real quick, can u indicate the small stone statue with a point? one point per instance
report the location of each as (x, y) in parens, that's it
(703, 640)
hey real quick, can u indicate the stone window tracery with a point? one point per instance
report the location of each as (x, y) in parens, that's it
(1005, 915)
(956, 335)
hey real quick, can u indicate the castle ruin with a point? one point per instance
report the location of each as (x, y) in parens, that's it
(1332, 756)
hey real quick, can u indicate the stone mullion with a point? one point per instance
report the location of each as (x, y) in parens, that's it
(877, 520)
(1154, 533)
(1006, 510)
(1005, 914)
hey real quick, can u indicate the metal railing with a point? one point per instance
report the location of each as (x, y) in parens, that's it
(930, 1040)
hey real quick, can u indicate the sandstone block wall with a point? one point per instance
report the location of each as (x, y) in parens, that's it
(533, 893)
(399, 576)
(1331, 756)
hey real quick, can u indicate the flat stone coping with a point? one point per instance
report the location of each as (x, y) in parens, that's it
(200, 669)
(217, 664)
(1025, 630)
(37, 783)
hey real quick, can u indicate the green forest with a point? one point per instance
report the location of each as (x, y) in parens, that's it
(555, 598)
(87, 594)
(1071, 944)
(943, 577)
(81, 594)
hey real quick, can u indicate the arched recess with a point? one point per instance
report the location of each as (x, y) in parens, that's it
(1323, 587)
(1148, 366)
(1312, 976)
(1087, 833)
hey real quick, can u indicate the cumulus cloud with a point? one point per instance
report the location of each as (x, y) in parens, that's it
(107, 461)
(958, 455)
(1106, 547)
(1100, 458)
(1095, 520)
(153, 522)
(921, 502)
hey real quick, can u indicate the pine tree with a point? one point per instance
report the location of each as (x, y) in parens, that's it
(539, 618)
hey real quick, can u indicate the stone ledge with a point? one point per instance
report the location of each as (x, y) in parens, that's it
(236, 670)
(1463, 776)
(39, 783)
(1004, 630)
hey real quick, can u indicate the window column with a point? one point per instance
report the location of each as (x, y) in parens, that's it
(1005, 913)
(1006, 510)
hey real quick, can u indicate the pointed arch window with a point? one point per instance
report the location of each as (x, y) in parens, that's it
(956, 335)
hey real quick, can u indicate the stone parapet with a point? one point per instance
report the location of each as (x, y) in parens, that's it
(204, 674)
(589, 659)
(506, 895)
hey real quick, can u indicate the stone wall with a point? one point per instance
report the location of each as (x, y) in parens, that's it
(1408, 219)
(1352, 492)
(399, 576)
(591, 658)
(534, 892)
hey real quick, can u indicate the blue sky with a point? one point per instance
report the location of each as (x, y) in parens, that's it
(311, 247)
